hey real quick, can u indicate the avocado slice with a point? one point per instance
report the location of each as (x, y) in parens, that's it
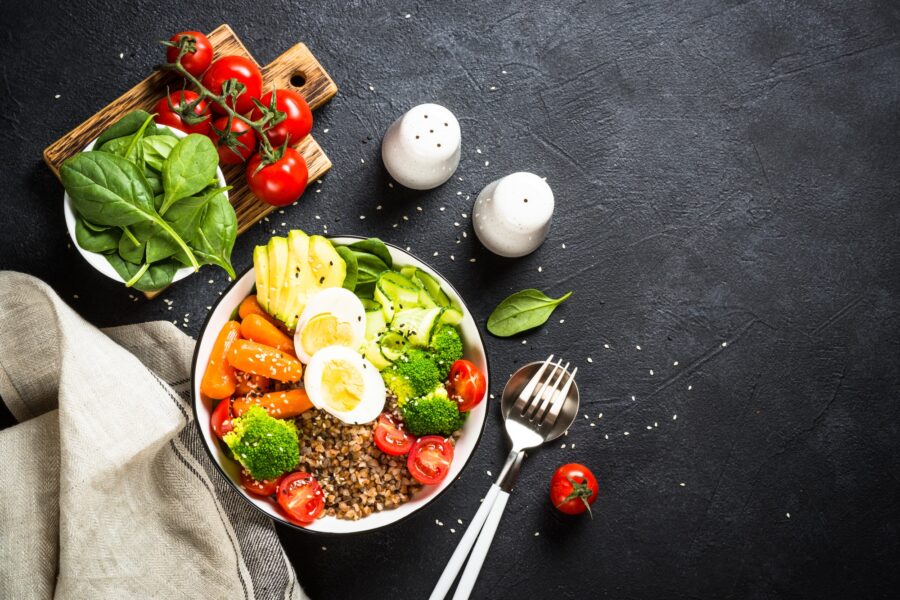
(299, 276)
(328, 268)
(261, 267)
(278, 259)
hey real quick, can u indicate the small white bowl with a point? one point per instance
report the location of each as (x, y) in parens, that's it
(98, 261)
(473, 349)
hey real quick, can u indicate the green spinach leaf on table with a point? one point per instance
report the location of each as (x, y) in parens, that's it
(189, 168)
(522, 311)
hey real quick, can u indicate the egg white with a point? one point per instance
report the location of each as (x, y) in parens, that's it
(344, 305)
(373, 397)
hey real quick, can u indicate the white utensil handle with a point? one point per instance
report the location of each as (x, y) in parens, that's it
(479, 552)
(465, 544)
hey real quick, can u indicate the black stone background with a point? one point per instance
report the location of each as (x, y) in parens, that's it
(725, 173)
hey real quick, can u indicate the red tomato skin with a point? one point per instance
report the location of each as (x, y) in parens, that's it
(294, 484)
(467, 384)
(280, 183)
(195, 62)
(234, 67)
(263, 488)
(387, 429)
(164, 116)
(220, 419)
(561, 487)
(430, 443)
(298, 120)
(246, 136)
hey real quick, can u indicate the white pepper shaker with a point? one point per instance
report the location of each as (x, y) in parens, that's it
(512, 214)
(421, 149)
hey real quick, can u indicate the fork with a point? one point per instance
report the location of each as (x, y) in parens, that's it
(530, 421)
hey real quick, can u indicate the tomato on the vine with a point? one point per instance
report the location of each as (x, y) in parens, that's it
(167, 112)
(243, 133)
(467, 384)
(301, 497)
(297, 122)
(234, 67)
(430, 458)
(391, 436)
(281, 182)
(259, 487)
(573, 488)
(220, 419)
(199, 53)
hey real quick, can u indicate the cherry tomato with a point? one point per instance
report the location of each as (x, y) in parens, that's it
(391, 436)
(195, 61)
(298, 119)
(301, 497)
(280, 183)
(245, 135)
(220, 419)
(573, 488)
(234, 67)
(430, 458)
(467, 385)
(264, 487)
(166, 116)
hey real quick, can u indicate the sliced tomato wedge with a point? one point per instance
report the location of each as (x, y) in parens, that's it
(430, 458)
(391, 436)
(301, 497)
(467, 384)
(259, 487)
(220, 419)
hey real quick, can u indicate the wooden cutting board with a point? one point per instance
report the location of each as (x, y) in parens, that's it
(296, 69)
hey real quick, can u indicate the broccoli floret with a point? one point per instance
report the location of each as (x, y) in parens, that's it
(432, 414)
(414, 374)
(447, 348)
(264, 445)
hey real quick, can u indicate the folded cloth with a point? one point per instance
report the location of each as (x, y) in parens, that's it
(105, 488)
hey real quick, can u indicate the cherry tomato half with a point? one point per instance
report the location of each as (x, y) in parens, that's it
(234, 67)
(573, 488)
(280, 183)
(245, 135)
(467, 384)
(301, 497)
(195, 61)
(298, 119)
(430, 458)
(264, 487)
(391, 436)
(166, 116)
(220, 419)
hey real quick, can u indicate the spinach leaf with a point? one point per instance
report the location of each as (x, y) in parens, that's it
(129, 146)
(155, 276)
(156, 184)
(123, 127)
(184, 217)
(161, 130)
(190, 167)
(352, 266)
(133, 242)
(107, 189)
(376, 247)
(156, 150)
(369, 267)
(95, 239)
(521, 311)
(215, 237)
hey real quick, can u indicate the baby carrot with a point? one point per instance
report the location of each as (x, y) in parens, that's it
(251, 306)
(258, 329)
(260, 359)
(281, 405)
(218, 379)
(249, 383)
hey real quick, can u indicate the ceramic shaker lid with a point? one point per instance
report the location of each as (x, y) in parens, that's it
(512, 214)
(421, 149)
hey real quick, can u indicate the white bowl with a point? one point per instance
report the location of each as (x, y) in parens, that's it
(473, 349)
(97, 260)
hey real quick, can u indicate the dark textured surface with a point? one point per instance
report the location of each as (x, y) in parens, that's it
(725, 173)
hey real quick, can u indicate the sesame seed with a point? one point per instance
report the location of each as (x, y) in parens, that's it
(788, 515)
(589, 359)
(674, 417)
(488, 473)
(681, 484)
(724, 344)
(637, 347)
(626, 433)
(606, 346)
(651, 371)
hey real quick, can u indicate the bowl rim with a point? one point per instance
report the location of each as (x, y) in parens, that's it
(285, 522)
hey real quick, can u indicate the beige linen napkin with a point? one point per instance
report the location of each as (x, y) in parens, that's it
(105, 488)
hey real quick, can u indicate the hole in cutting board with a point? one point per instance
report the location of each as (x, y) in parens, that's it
(298, 80)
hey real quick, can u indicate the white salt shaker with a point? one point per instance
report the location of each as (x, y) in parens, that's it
(421, 149)
(512, 214)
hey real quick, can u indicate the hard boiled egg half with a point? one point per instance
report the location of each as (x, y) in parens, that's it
(333, 317)
(341, 382)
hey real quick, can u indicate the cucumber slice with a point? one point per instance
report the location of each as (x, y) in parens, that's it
(392, 344)
(375, 322)
(417, 324)
(425, 299)
(409, 272)
(433, 287)
(451, 316)
(395, 293)
(372, 352)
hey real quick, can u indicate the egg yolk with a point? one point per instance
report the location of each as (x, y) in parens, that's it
(325, 330)
(343, 385)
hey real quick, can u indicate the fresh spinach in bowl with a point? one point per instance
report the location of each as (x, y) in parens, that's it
(150, 201)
